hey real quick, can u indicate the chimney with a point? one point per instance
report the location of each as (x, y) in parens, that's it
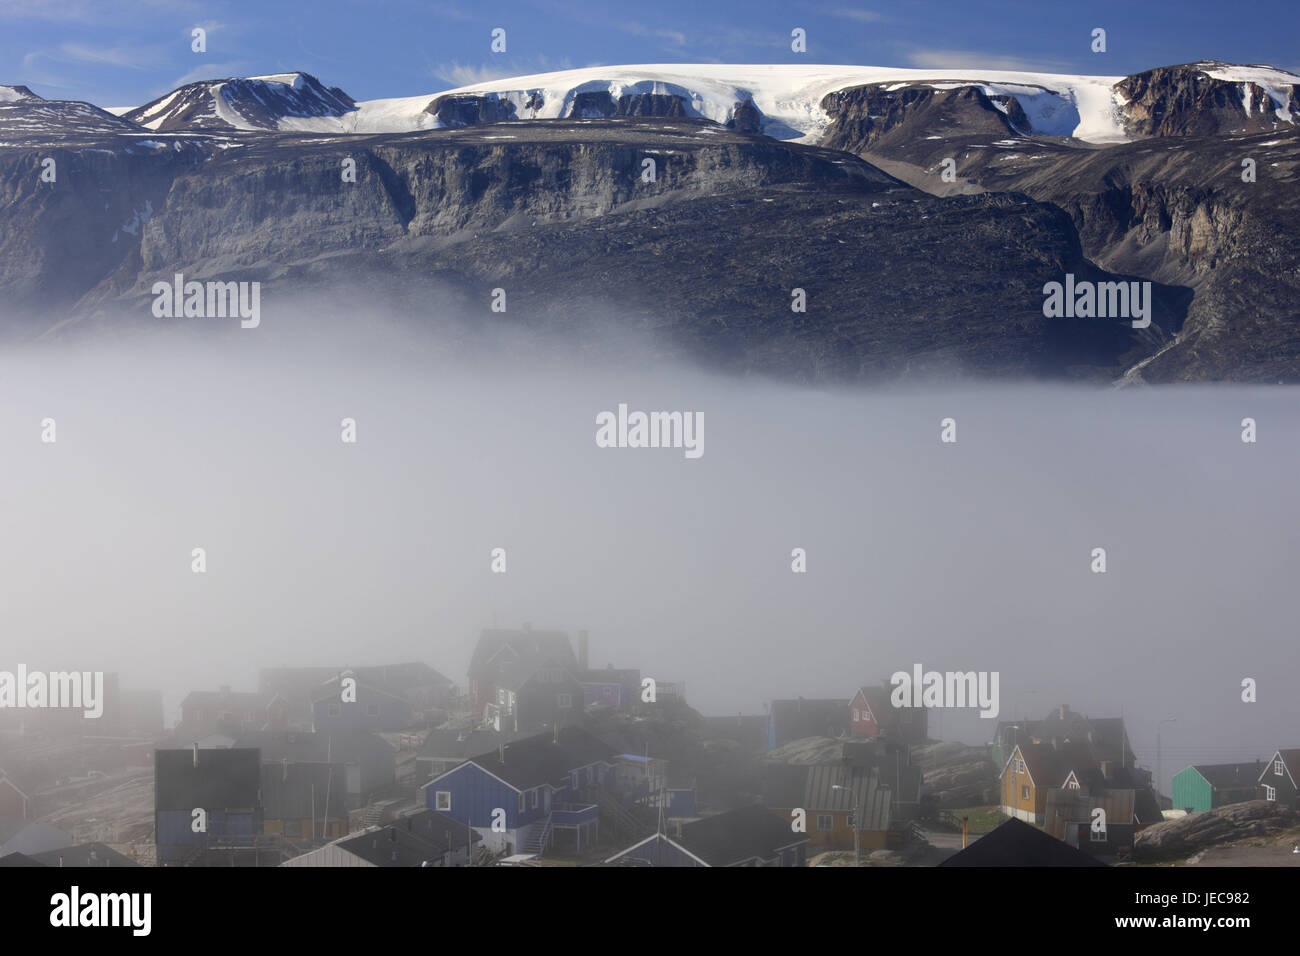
(284, 775)
(196, 753)
(1061, 711)
(501, 752)
(582, 650)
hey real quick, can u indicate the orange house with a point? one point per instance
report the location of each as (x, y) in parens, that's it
(1030, 771)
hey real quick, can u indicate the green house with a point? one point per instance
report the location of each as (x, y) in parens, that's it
(1203, 787)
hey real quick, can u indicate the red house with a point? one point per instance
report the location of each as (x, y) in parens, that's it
(873, 717)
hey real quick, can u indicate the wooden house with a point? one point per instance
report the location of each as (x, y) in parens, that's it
(748, 836)
(230, 712)
(224, 783)
(872, 716)
(1277, 782)
(497, 648)
(424, 839)
(520, 796)
(1202, 787)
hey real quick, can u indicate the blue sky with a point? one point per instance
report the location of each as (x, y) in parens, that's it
(126, 52)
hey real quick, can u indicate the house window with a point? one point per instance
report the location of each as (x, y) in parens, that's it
(535, 799)
(335, 710)
(1073, 784)
(855, 715)
(1024, 793)
(523, 805)
(1270, 793)
(442, 800)
(1098, 836)
(824, 822)
(1277, 767)
(1020, 765)
(372, 710)
(565, 701)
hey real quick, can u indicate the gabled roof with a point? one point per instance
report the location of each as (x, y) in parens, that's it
(19, 859)
(1290, 763)
(1043, 763)
(1224, 776)
(304, 746)
(214, 779)
(877, 700)
(329, 690)
(463, 744)
(488, 652)
(1016, 843)
(525, 764)
(739, 835)
(84, 855)
(584, 748)
(410, 841)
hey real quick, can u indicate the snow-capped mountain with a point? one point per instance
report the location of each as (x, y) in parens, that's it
(790, 102)
(250, 103)
(28, 118)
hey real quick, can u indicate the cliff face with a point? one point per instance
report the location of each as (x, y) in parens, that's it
(864, 116)
(1186, 101)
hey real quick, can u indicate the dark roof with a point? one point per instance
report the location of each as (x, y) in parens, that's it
(19, 859)
(584, 748)
(340, 746)
(410, 841)
(84, 855)
(463, 744)
(1043, 761)
(1016, 843)
(302, 791)
(1106, 735)
(1231, 776)
(214, 780)
(527, 763)
(877, 701)
(330, 689)
(1291, 762)
(496, 645)
(739, 835)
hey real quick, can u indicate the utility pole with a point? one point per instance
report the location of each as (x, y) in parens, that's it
(1160, 763)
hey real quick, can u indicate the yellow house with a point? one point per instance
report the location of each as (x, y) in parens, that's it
(1030, 771)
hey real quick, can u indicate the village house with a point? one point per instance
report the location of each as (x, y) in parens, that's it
(1203, 787)
(224, 783)
(497, 647)
(844, 807)
(367, 707)
(532, 789)
(1277, 783)
(424, 838)
(229, 712)
(365, 764)
(749, 836)
(872, 716)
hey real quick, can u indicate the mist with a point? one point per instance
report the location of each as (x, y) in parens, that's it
(974, 555)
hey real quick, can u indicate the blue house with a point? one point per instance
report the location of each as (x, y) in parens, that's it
(521, 795)
(225, 784)
(374, 709)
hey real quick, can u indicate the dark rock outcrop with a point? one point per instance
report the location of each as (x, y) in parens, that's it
(1196, 831)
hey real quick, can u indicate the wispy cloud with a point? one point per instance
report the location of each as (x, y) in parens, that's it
(469, 74)
(861, 16)
(209, 71)
(130, 58)
(974, 59)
